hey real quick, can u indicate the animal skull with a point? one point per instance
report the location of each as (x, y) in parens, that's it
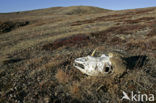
(94, 66)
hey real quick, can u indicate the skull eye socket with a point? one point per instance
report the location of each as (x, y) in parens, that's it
(107, 69)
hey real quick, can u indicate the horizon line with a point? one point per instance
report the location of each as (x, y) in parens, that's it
(27, 10)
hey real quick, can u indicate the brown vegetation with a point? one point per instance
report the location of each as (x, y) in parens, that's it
(69, 41)
(75, 90)
(153, 29)
(139, 20)
(126, 29)
(36, 62)
(61, 76)
(116, 17)
(142, 44)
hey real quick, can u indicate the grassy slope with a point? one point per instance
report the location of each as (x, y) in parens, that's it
(36, 62)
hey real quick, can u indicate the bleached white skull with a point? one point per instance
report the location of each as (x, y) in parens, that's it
(94, 66)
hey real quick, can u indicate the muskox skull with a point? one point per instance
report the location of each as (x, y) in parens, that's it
(94, 66)
(113, 64)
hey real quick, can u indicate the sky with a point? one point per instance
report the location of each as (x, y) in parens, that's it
(24, 5)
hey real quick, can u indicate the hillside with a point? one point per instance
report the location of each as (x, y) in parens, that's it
(37, 50)
(73, 10)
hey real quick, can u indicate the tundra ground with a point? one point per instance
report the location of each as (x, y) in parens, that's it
(37, 50)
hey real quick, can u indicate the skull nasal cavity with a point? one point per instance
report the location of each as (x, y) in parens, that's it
(107, 69)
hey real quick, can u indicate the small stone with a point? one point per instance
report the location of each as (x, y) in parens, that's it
(55, 94)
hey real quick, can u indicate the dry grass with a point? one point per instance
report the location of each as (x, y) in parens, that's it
(153, 30)
(139, 20)
(39, 56)
(75, 90)
(99, 19)
(62, 77)
(137, 44)
(69, 41)
(142, 44)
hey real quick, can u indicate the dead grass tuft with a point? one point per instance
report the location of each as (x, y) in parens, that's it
(61, 76)
(54, 63)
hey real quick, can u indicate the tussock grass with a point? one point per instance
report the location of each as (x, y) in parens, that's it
(61, 76)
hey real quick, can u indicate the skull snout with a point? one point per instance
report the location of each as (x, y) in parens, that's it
(79, 63)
